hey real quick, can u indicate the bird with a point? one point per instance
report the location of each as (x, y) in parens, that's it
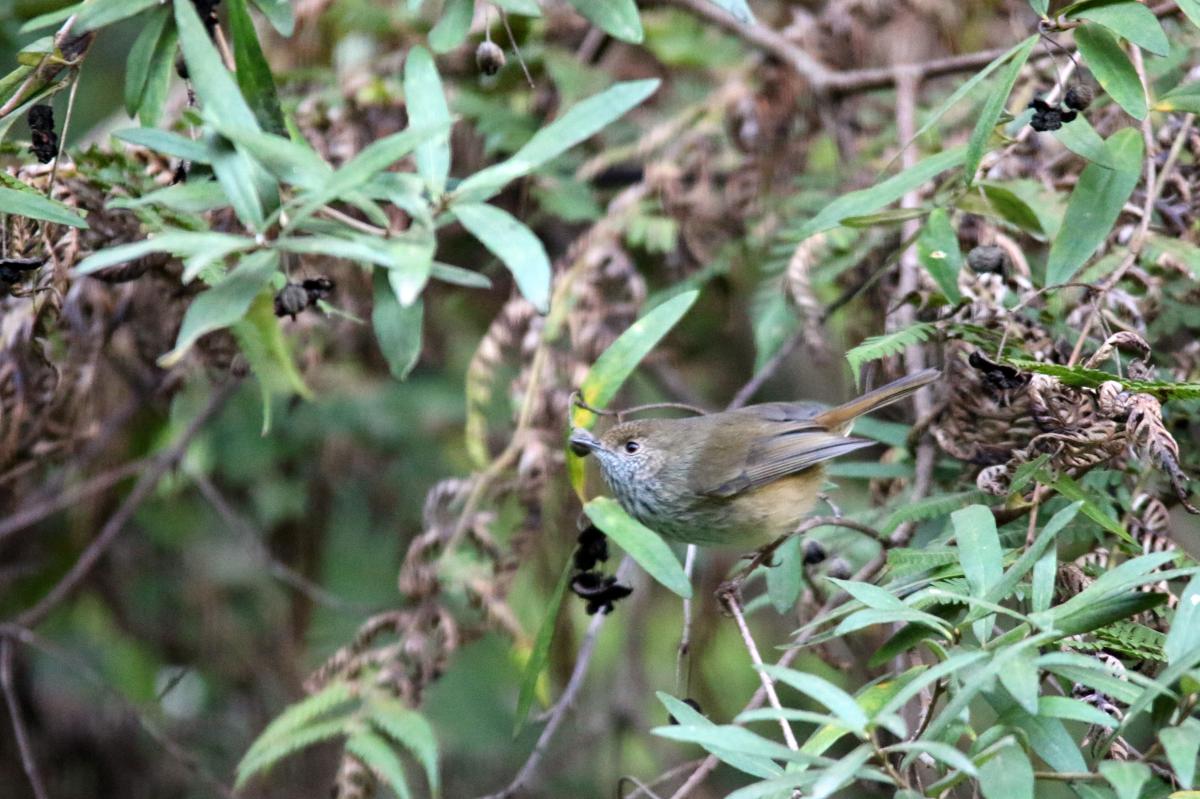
(740, 478)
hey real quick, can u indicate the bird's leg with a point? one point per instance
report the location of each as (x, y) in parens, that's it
(761, 557)
(833, 508)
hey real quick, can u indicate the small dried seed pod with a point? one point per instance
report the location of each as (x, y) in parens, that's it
(814, 553)
(291, 300)
(489, 58)
(1078, 97)
(987, 258)
(838, 569)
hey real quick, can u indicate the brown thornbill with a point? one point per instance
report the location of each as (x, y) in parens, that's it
(737, 478)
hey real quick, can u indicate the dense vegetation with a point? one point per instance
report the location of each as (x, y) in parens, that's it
(300, 299)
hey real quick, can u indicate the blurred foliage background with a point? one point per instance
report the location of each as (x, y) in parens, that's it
(260, 554)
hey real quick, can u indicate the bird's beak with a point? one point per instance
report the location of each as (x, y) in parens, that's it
(582, 442)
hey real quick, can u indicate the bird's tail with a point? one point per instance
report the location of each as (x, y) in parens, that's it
(844, 414)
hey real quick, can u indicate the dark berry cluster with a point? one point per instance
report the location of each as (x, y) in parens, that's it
(296, 297)
(41, 129)
(12, 270)
(599, 590)
(1048, 117)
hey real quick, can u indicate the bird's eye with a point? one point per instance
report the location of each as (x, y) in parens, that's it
(632, 447)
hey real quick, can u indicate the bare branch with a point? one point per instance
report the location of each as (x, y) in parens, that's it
(18, 721)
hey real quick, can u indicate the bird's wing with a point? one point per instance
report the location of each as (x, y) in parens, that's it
(785, 450)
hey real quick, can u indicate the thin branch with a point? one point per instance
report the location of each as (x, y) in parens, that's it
(13, 632)
(18, 721)
(559, 711)
(155, 470)
(279, 570)
(47, 67)
(65, 499)
(832, 603)
(685, 636)
(644, 789)
(730, 600)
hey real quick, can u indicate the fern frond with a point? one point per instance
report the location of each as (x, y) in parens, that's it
(876, 347)
(931, 507)
(375, 752)
(1083, 377)
(407, 727)
(264, 754)
(298, 716)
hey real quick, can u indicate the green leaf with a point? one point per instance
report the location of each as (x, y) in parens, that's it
(261, 340)
(641, 543)
(865, 201)
(1185, 97)
(841, 772)
(408, 256)
(1065, 707)
(731, 738)
(100, 13)
(840, 703)
(527, 8)
(35, 206)
(1082, 139)
(956, 662)
(1040, 7)
(540, 653)
(289, 161)
(189, 198)
(448, 273)
(1181, 745)
(580, 122)
(1020, 679)
(50, 18)
(990, 114)
(451, 29)
(303, 714)
(1067, 487)
(876, 347)
(1007, 775)
(159, 77)
(279, 14)
(618, 18)
(379, 757)
(1126, 777)
(225, 303)
(276, 749)
(939, 751)
(610, 371)
(397, 327)
(785, 580)
(372, 159)
(616, 363)
(411, 730)
(1184, 635)
(214, 85)
(938, 252)
(978, 547)
(426, 103)
(1095, 204)
(180, 243)
(236, 173)
(1112, 68)
(1128, 19)
(514, 244)
(685, 714)
(253, 72)
(1125, 575)
(930, 508)
(1191, 9)
(870, 595)
(1045, 571)
(137, 66)
(166, 143)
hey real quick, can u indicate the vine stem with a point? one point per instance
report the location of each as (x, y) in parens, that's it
(729, 598)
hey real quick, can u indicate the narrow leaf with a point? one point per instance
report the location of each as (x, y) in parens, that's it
(840, 703)
(1184, 635)
(214, 85)
(1007, 775)
(35, 206)
(1126, 777)
(373, 750)
(939, 253)
(166, 143)
(137, 66)
(397, 328)
(541, 650)
(686, 715)
(990, 115)
(1112, 68)
(225, 303)
(641, 543)
(411, 730)
(98, 14)
(514, 244)
(618, 18)
(426, 104)
(1128, 19)
(1081, 138)
(253, 72)
(1181, 745)
(1095, 204)
(452, 27)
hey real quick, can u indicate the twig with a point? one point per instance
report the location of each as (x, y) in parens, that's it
(12, 632)
(65, 499)
(18, 96)
(831, 604)
(280, 571)
(685, 636)
(730, 600)
(154, 472)
(746, 392)
(559, 712)
(18, 721)
(62, 140)
(643, 789)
